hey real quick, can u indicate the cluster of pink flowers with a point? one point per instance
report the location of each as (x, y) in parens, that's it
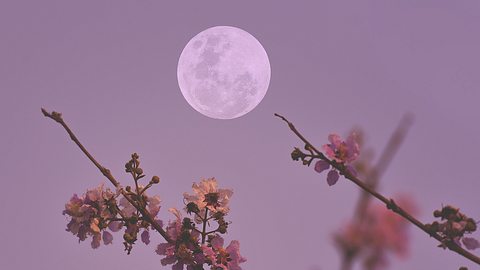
(376, 235)
(191, 242)
(134, 221)
(99, 209)
(193, 247)
(208, 196)
(453, 227)
(183, 250)
(186, 251)
(91, 214)
(339, 151)
(220, 257)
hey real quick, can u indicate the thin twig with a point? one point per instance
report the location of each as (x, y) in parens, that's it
(205, 220)
(57, 117)
(389, 203)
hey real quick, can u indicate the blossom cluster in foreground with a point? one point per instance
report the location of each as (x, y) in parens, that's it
(193, 247)
(91, 214)
(99, 212)
(193, 241)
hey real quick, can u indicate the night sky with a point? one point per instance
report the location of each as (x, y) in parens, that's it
(110, 68)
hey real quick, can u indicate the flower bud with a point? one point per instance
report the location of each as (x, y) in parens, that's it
(435, 226)
(297, 154)
(129, 238)
(133, 220)
(128, 166)
(139, 171)
(212, 198)
(449, 212)
(218, 215)
(192, 208)
(222, 228)
(155, 179)
(471, 225)
(187, 223)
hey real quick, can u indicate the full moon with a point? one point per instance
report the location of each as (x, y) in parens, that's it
(223, 72)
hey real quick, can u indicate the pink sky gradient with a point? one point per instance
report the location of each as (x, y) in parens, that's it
(110, 68)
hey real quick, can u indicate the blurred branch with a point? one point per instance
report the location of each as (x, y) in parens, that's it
(374, 175)
(57, 117)
(389, 203)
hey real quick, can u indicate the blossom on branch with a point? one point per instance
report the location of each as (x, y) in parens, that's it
(152, 205)
(342, 152)
(184, 249)
(194, 244)
(219, 257)
(208, 196)
(453, 227)
(98, 209)
(91, 214)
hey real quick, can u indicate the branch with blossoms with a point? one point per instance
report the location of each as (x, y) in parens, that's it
(192, 242)
(450, 231)
(375, 233)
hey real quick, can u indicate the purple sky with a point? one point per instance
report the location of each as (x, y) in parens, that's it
(110, 68)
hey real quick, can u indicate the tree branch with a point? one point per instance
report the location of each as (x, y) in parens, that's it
(57, 117)
(389, 203)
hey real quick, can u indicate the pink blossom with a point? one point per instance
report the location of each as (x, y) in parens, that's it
(209, 254)
(168, 250)
(217, 242)
(339, 151)
(342, 151)
(228, 258)
(177, 253)
(453, 226)
(153, 205)
(174, 228)
(126, 207)
(115, 226)
(208, 196)
(89, 214)
(236, 259)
